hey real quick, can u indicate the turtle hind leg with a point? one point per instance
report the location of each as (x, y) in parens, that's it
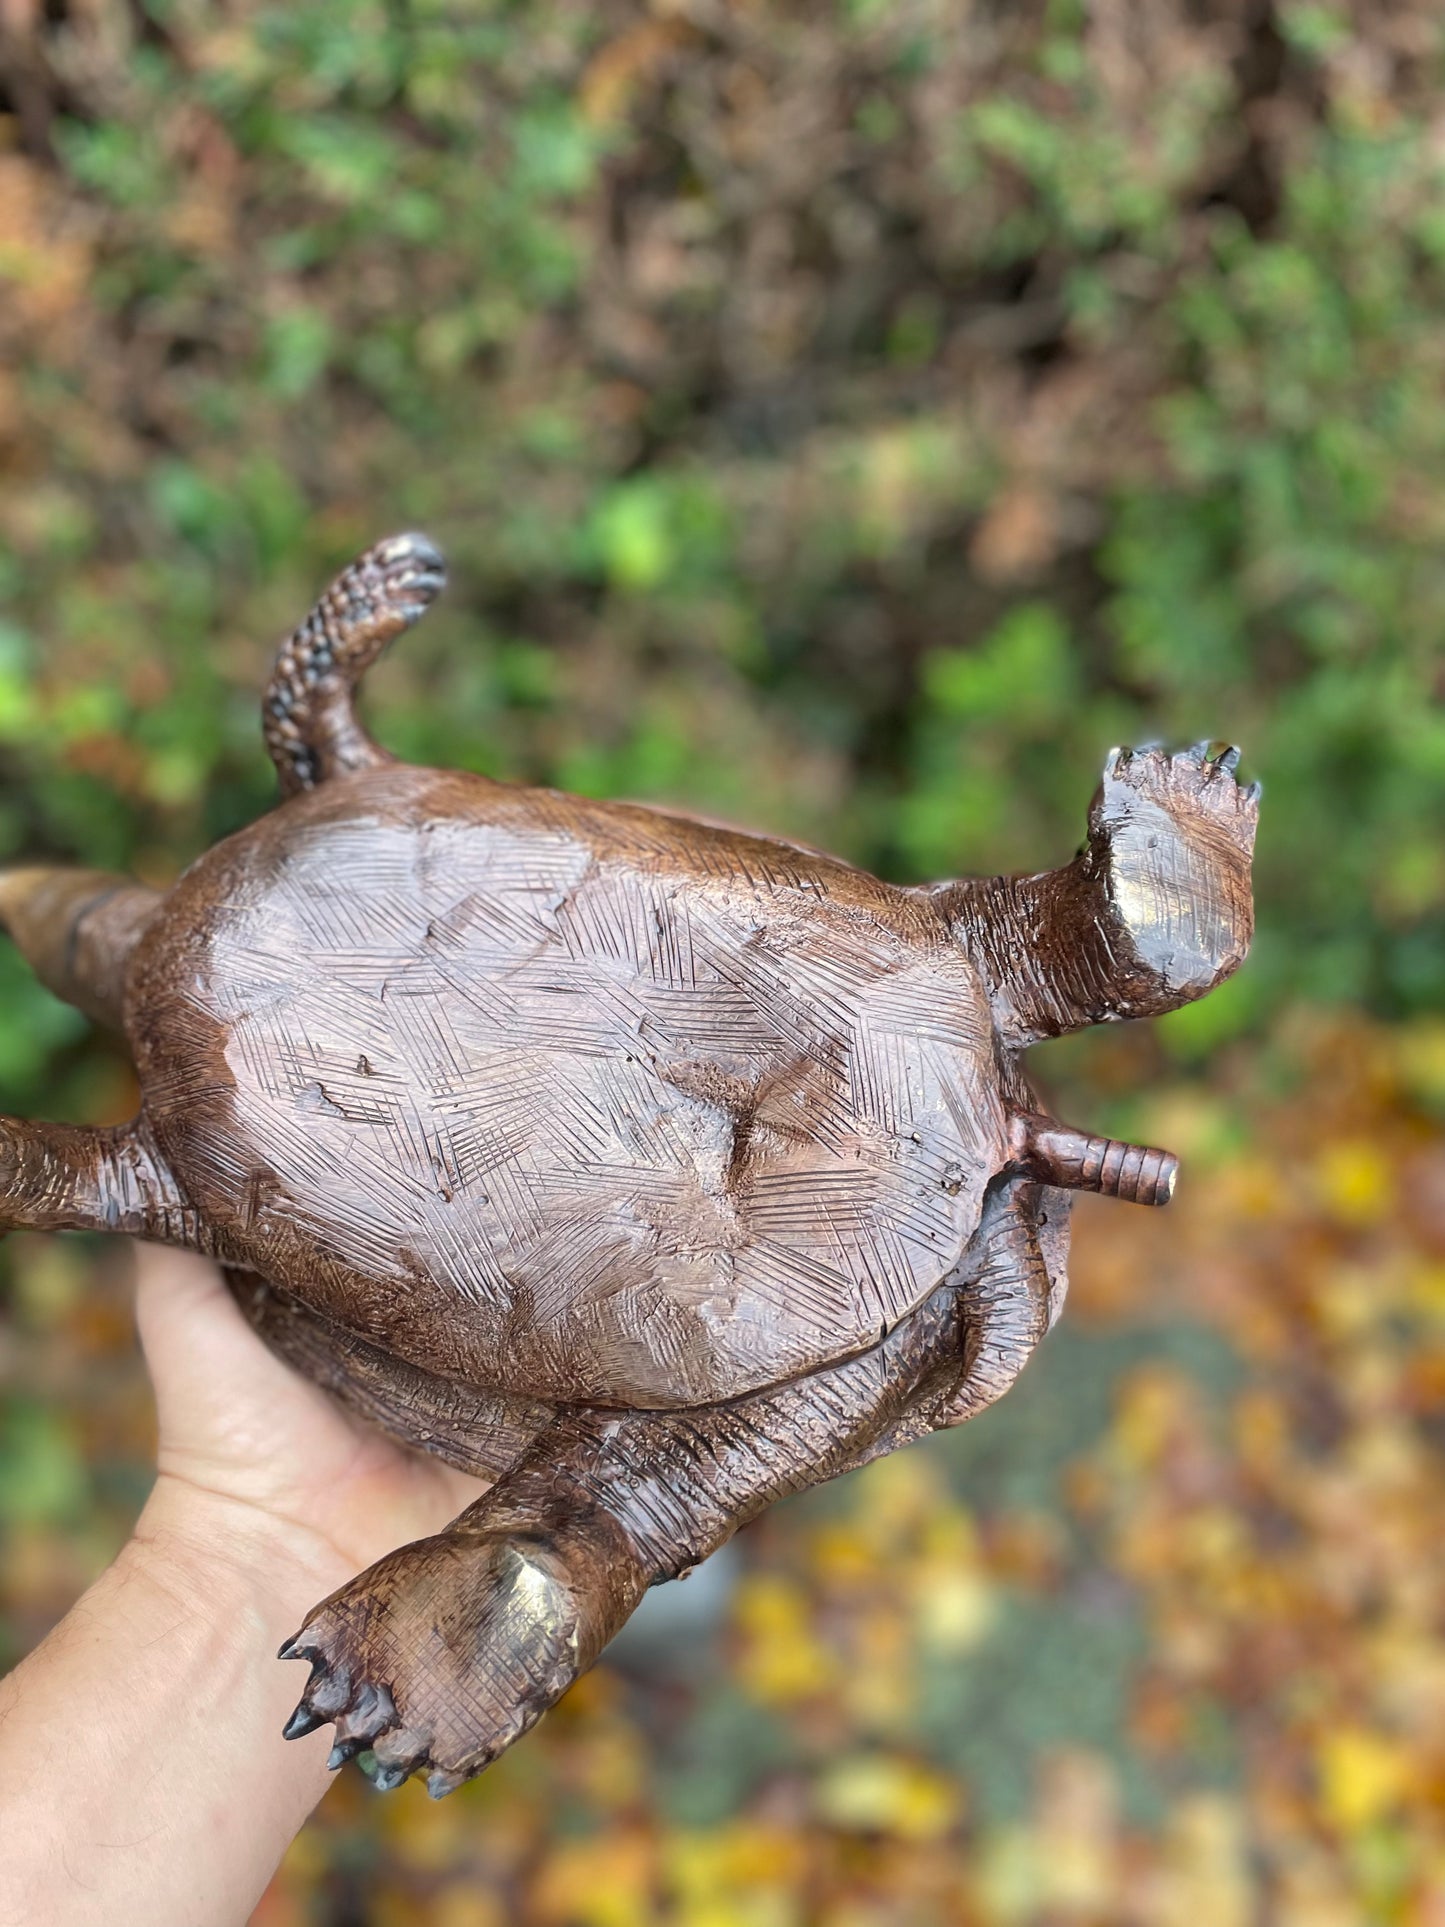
(70, 1177)
(1153, 912)
(77, 929)
(308, 713)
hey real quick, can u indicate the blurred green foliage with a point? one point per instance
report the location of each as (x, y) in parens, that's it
(837, 420)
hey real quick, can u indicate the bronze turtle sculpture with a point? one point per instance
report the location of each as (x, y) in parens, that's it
(648, 1169)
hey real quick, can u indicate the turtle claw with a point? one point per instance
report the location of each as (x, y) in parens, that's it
(303, 1721)
(1189, 785)
(371, 1712)
(397, 1656)
(360, 1709)
(363, 1710)
(1198, 755)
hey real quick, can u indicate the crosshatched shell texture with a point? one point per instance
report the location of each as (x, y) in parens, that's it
(624, 1111)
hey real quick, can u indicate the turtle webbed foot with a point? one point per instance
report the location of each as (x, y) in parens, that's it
(1191, 782)
(440, 1655)
(1171, 838)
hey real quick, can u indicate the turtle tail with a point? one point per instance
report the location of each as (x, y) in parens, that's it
(77, 929)
(309, 714)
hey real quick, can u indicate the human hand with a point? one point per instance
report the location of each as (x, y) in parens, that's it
(143, 1775)
(258, 1467)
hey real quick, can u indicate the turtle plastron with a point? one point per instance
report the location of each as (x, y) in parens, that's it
(648, 1169)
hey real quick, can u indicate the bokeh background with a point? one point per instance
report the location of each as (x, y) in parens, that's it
(850, 419)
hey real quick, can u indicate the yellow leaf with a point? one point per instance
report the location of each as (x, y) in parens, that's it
(727, 1874)
(872, 1793)
(605, 1881)
(1362, 1776)
(955, 1611)
(465, 1904)
(1356, 1181)
(781, 1660)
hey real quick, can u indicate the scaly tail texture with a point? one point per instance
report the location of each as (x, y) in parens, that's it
(76, 929)
(309, 712)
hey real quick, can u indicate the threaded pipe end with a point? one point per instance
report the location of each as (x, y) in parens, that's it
(1077, 1161)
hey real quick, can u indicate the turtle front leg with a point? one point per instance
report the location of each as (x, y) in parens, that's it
(1153, 912)
(67, 1177)
(442, 1654)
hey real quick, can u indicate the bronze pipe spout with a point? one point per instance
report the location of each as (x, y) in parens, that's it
(1057, 1154)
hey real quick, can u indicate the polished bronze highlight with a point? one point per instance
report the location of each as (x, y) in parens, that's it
(647, 1169)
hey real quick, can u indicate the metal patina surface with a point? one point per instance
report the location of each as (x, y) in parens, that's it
(650, 1169)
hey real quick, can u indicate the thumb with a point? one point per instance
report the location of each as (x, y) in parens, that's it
(185, 1319)
(219, 1393)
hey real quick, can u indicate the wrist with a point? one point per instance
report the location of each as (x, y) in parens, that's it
(143, 1773)
(233, 1568)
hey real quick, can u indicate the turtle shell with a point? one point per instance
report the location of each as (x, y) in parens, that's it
(581, 1100)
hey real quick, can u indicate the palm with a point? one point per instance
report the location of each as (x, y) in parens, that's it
(239, 1426)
